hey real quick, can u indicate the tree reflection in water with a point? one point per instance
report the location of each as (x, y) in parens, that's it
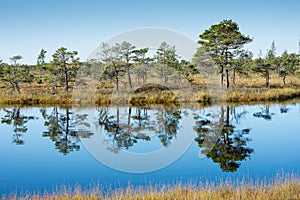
(168, 124)
(284, 109)
(127, 128)
(18, 121)
(230, 147)
(119, 131)
(63, 128)
(264, 113)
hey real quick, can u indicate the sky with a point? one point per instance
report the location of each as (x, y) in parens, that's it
(27, 26)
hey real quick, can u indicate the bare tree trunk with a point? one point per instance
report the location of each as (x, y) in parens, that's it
(144, 76)
(227, 78)
(233, 76)
(66, 81)
(129, 77)
(267, 80)
(283, 78)
(164, 76)
(12, 85)
(144, 79)
(221, 76)
(17, 87)
(117, 81)
(66, 76)
(117, 76)
(137, 81)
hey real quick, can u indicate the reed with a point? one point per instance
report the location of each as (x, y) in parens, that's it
(281, 187)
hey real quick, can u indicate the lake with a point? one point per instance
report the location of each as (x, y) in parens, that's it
(43, 148)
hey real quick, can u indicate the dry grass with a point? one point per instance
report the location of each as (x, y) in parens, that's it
(281, 188)
(249, 89)
(206, 90)
(163, 97)
(29, 99)
(270, 94)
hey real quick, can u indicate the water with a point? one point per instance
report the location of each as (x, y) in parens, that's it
(45, 148)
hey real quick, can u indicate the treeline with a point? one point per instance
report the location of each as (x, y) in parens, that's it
(61, 70)
(221, 51)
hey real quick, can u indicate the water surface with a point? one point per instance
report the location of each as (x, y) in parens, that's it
(44, 148)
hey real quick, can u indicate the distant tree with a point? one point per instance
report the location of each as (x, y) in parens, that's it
(141, 64)
(186, 69)
(263, 67)
(288, 65)
(273, 59)
(64, 66)
(203, 62)
(15, 68)
(241, 64)
(167, 61)
(14, 60)
(222, 41)
(41, 72)
(1, 68)
(126, 51)
(112, 59)
(41, 58)
(15, 73)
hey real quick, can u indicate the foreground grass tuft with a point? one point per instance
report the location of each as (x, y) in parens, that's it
(280, 188)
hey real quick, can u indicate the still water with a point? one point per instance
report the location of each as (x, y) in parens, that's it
(43, 148)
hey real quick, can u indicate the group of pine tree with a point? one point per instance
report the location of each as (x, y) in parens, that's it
(222, 43)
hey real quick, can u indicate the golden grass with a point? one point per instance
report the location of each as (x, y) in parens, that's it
(164, 97)
(270, 94)
(161, 97)
(203, 97)
(281, 188)
(206, 90)
(27, 99)
(250, 89)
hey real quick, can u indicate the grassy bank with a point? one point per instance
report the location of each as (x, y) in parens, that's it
(232, 95)
(163, 98)
(280, 188)
(250, 89)
(29, 99)
(251, 95)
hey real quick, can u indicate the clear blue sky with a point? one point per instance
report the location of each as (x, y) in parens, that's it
(27, 26)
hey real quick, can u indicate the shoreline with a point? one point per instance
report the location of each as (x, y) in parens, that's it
(249, 95)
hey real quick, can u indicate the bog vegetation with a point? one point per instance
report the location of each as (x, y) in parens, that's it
(284, 187)
(221, 61)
